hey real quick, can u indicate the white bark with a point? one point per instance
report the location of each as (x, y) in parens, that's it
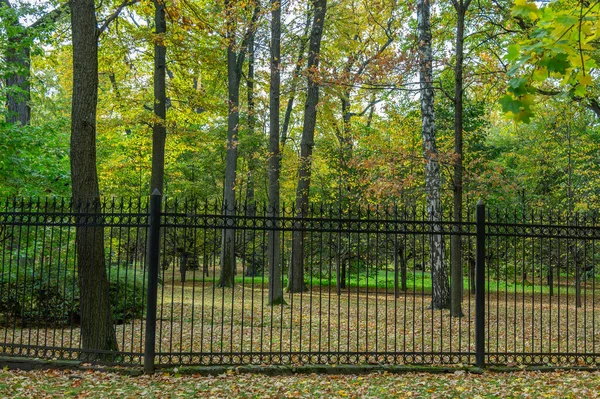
(439, 272)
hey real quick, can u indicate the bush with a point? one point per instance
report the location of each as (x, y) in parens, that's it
(49, 298)
(126, 295)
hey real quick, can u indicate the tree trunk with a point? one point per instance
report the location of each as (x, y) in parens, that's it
(340, 278)
(273, 243)
(250, 209)
(234, 71)
(296, 272)
(399, 267)
(551, 280)
(159, 128)
(18, 61)
(439, 273)
(97, 331)
(17, 83)
(456, 240)
(18, 58)
(295, 74)
(228, 235)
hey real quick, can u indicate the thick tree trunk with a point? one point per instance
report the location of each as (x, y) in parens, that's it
(18, 61)
(17, 83)
(273, 243)
(97, 331)
(296, 272)
(456, 240)
(159, 128)
(439, 273)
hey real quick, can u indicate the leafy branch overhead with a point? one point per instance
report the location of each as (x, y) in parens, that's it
(557, 56)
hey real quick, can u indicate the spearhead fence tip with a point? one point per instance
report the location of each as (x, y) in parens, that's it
(480, 202)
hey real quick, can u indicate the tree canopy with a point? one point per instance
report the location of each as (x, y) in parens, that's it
(525, 61)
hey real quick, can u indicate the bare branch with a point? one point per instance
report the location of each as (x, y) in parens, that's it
(115, 15)
(52, 16)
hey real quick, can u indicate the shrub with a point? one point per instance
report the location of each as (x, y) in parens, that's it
(52, 298)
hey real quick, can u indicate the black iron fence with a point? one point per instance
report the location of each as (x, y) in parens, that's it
(528, 286)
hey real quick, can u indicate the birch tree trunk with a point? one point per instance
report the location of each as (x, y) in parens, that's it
(296, 271)
(439, 272)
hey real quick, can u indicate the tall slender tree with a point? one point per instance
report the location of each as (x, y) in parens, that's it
(250, 202)
(159, 128)
(439, 273)
(294, 79)
(296, 271)
(456, 275)
(273, 248)
(235, 62)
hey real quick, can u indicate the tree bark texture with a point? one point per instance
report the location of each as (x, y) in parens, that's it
(439, 272)
(97, 331)
(18, 61)
(274, 237)
(18, 93)
(159, 128)
(296, 271)
(228, 235)
(456, 274)
(252, 267)
(235, 62)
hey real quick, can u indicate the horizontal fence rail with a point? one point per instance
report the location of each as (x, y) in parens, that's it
(367, 281)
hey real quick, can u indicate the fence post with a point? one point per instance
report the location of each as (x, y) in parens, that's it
(480, 286)
(151, 299)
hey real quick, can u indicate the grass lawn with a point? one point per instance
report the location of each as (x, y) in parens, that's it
(416, 281)
(96, 384)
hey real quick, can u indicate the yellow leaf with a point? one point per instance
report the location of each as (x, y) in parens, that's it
(585, 80)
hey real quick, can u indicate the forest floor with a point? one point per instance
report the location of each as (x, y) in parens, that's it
(100, 384)
(200, 323)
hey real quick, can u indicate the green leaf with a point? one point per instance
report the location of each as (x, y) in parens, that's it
(514, 51)
(566, 20)
(526, 10)
(509, 104)
(557, 63)
(540, 74)
(518, 86)
(579, 91)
